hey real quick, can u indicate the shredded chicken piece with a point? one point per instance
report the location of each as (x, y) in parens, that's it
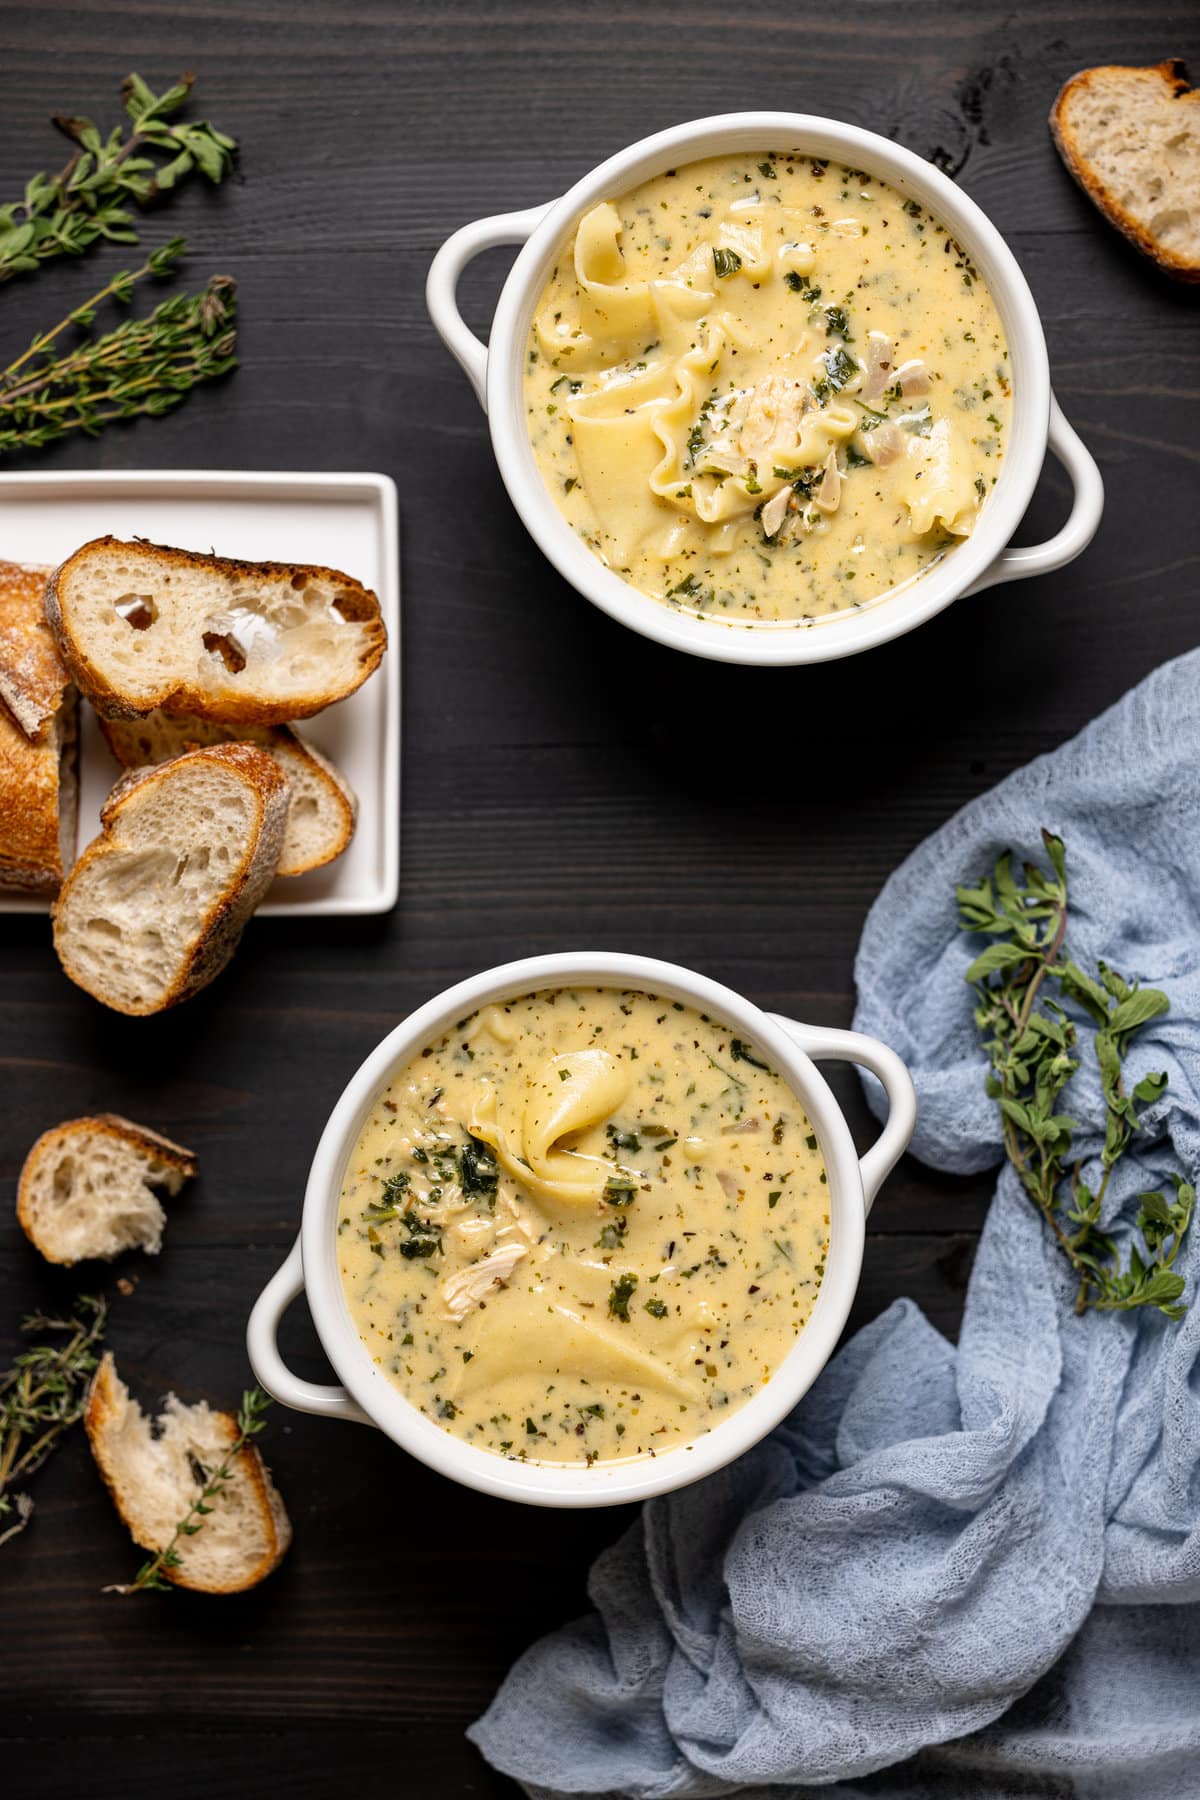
(883, 445)
(773, 416)
(829, 495)
(847, 227)
(773, 512)
(469, 1286)
(880, 356)
(742, 1126)
(728, 1183)
(913, 377)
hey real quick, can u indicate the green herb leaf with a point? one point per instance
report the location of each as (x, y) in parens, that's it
(88, 199)
(1030, 1040)
(621, 1295)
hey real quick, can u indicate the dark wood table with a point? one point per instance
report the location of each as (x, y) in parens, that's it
(565, 783)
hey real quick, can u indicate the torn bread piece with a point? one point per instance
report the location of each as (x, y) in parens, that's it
(142, 626)
(88, 1188)
(156, 1471)
(323, 810)
(156, 905)
(1131, 139)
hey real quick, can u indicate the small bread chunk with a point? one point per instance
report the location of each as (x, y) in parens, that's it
(38, 785)
(87, 1188)
(156, 1472)
(323, 810)
(33, 679)
(141, 626)
(155, 906)
(1131, 139)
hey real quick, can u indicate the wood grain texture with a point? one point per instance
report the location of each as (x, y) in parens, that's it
(564, 782)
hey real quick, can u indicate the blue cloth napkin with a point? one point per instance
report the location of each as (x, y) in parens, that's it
(972, 1569)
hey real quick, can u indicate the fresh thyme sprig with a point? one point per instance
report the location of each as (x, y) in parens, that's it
(153, 1574)
(1031, 1051)
(64, 214)
(144, 365)
(41, 1397)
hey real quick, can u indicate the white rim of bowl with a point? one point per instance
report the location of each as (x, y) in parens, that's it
(900, 609)
(604, 1484)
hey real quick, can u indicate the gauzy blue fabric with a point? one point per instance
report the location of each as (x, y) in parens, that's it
(951, 1572)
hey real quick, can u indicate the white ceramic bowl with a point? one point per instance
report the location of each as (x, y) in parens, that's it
(370, 1398)
(495, 372)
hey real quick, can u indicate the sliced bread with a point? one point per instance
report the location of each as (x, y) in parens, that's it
(33, 679)
(1131, 139)
(38, 785)
(323, 809)
(157, 1471)
(39, 799)
(88, 1188)
(155, 906)
(141, 626)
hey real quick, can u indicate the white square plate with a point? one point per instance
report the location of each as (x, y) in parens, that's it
(347, 522)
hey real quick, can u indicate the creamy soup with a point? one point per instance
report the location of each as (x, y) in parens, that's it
(584, 1225)
(764, 387)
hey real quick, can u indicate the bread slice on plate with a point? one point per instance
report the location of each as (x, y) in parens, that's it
(38, 751)
(156, 1471)
(323, 809)
(39, 800)
(88, 1188)
(1131, 139)
(155, 906)
(33, 679)
(141, 626)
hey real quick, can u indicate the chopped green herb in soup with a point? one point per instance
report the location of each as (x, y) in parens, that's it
(766, 388)
(584, 1225)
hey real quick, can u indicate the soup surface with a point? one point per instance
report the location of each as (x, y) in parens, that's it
(583, 1225)
(766, 388)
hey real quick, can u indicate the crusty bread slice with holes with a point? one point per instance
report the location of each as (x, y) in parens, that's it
(88, 1188)
(323, 809)
(141, 626)
(38, 752)
(33, 679)
(156, 1471)
(1131, 139)
(155, 906)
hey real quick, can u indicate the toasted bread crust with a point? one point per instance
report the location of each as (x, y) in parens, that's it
(114, 1125)
(1173, 75)
(37, 785)
(183, 697)
(101, 1414)
(228, 916)
(33, 678)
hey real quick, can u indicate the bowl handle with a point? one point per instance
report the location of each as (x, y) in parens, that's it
(286, 1285)
(824, 1044)
(1080, 528)
(441, 286)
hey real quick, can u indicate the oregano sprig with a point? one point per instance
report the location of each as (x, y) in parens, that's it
(144, 365)
(41, 1396)
(1032, 1043)
(88, 199)
(153, 1573)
